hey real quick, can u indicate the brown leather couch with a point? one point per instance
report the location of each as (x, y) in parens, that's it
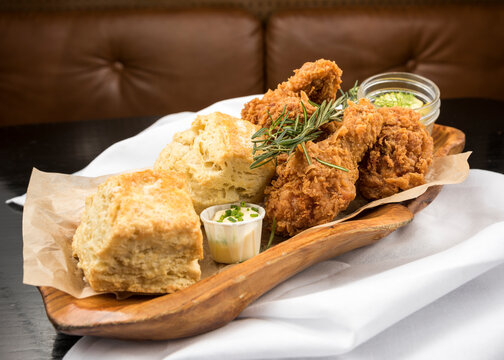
(68, 66)
(88, 65)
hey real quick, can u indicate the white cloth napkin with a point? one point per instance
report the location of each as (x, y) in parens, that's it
(333, 307)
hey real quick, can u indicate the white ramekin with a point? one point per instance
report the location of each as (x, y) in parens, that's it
(232, 242)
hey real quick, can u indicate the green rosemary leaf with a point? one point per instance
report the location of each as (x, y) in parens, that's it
(280, 137)
(282, 116)
(272, 233)
(257, 164)
(331, 165)
(270, 117)
(259, 141)
(306, 153)
(304, 110)
(280, 126)
(259, 132)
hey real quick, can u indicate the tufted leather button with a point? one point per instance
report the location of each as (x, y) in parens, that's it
(411, 65)
(118, 66)
(108, 46)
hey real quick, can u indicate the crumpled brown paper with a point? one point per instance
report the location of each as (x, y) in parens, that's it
(54, 203)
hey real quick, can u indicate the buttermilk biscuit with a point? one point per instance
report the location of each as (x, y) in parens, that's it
(215, 155)
(139, 233)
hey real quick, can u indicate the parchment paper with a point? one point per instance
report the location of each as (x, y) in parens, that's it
(55, 202)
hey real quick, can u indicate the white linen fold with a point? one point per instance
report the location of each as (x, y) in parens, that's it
(338, 305)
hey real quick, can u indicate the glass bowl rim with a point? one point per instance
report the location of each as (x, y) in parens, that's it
(407, 77)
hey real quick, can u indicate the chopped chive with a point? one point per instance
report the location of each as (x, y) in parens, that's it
(254, 215)
(255, 209)
(232, 219)
(242, 204)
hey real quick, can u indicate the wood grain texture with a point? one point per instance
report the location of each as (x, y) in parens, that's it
(214, 301)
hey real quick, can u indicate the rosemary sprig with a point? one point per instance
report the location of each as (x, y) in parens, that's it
(285, 134)
(272, 233)
(331, 165)
(306, 153)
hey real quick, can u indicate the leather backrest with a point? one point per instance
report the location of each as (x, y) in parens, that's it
(88, 65)
(461, 48)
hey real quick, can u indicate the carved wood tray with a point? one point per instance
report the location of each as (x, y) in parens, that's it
(218, 299)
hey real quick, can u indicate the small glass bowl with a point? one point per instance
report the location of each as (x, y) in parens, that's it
(232, 243)
(423, 88)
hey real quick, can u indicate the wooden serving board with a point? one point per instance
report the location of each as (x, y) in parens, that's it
(218, 299)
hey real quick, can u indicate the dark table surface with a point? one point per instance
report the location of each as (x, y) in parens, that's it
(26, 332)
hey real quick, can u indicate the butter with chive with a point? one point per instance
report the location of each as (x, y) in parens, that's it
(233, 231)
(236, 213)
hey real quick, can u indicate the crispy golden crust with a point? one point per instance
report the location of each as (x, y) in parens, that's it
(400, 158)
(305, 195)
(319, 80)
(139, 233)
(316, 81)
(214, 156)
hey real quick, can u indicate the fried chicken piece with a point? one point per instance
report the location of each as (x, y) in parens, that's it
(319, 80)
(305, 195)
(316, 81)
(274, 102)
(400, 158)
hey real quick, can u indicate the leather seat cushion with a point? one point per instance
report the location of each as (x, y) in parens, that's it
(77, 66)
(458, 47)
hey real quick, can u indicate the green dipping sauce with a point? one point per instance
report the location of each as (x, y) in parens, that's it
(397, 98)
